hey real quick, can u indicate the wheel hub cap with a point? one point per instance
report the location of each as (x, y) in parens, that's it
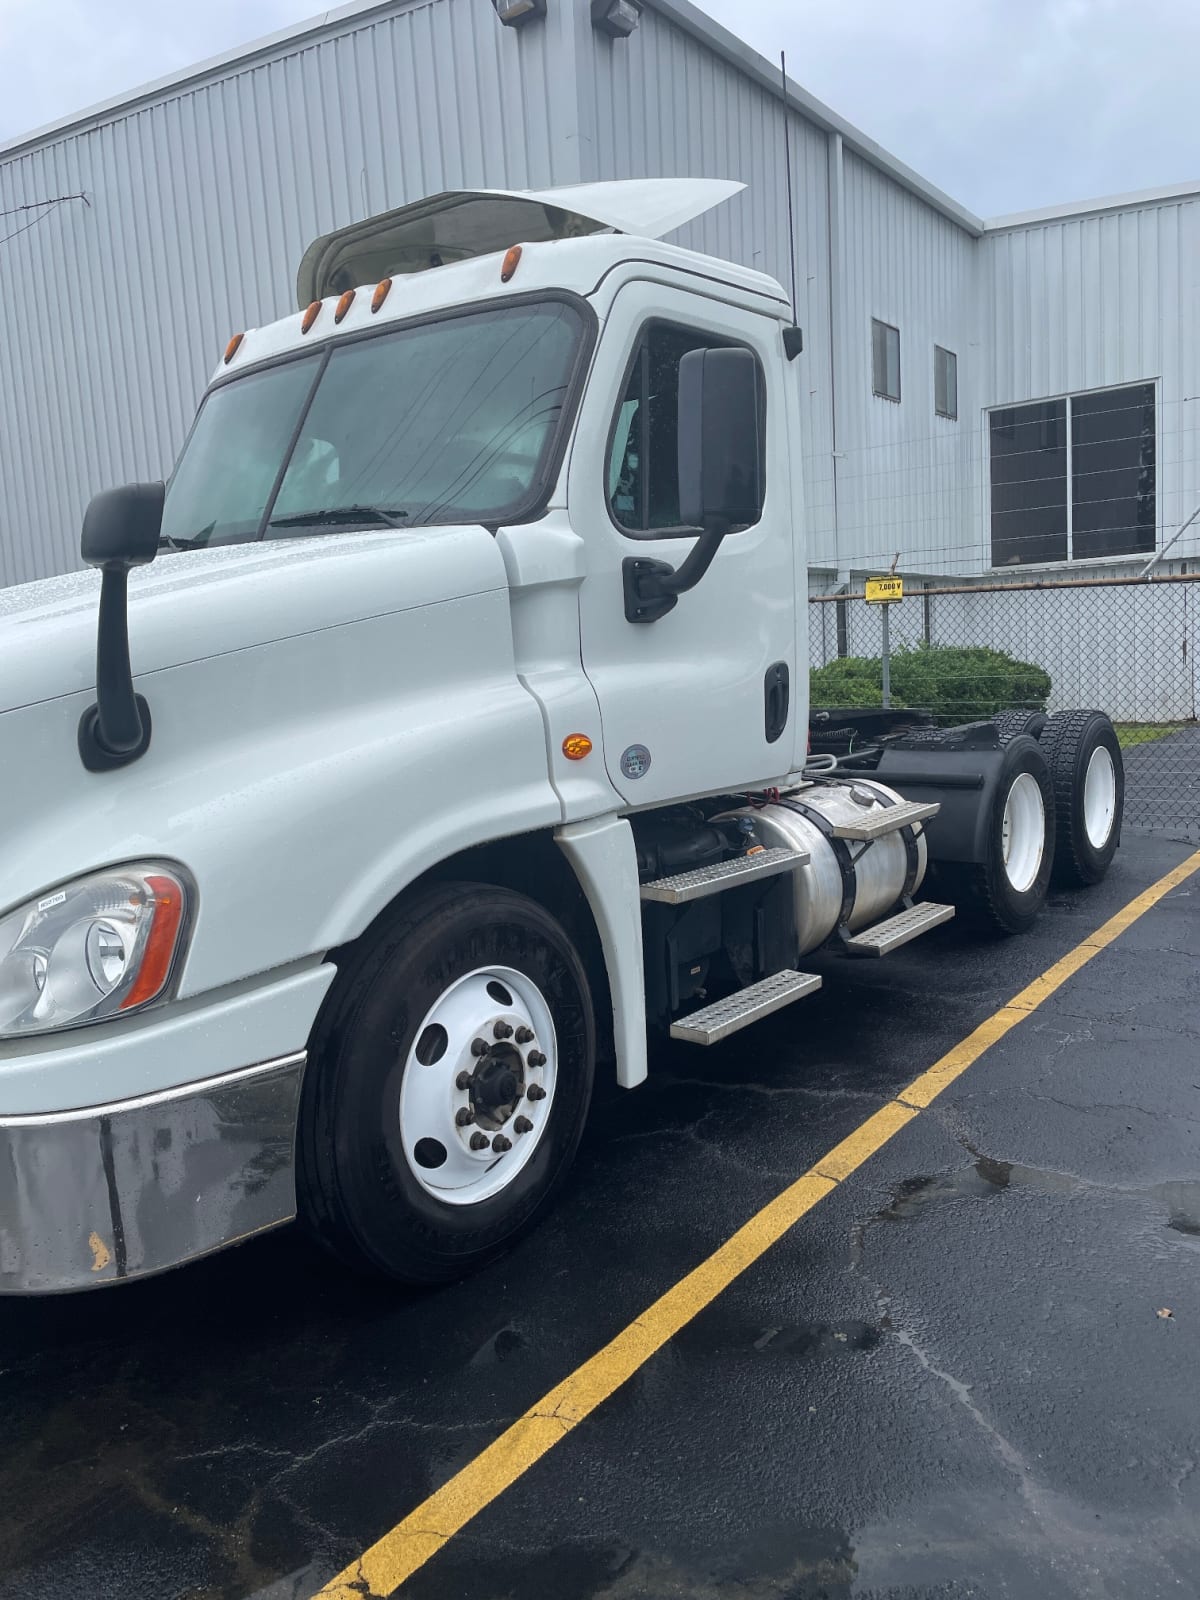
(478, 1085)
(1099, 798)
(1023, 832)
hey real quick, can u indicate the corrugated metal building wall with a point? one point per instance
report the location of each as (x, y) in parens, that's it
(907, 484)
(1095, 301)
(200, 201)
(203, 192)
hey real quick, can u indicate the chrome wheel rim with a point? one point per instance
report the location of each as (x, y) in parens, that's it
(478, 1086)
(1099, 798)
(1023, 832)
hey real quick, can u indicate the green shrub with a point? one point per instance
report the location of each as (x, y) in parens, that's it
(958, 684)
(851, 681)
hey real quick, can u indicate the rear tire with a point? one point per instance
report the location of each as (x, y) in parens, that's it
(1010, 724)
(1005, 892)
(389, 1180)
(1088, 773)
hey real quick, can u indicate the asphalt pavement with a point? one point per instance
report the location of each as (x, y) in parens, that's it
(971, 1370)
(1162, 784)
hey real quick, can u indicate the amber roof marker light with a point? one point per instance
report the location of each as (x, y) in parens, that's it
(310, 316)
(232, 348)
(511, 262)
(344, 305)
(382, 289)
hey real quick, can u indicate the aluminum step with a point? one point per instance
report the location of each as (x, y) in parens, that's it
(887, 936)
(886, 819)
(682, 886)
(739, 1010)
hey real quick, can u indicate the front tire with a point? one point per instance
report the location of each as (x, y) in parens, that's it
(448, 1085)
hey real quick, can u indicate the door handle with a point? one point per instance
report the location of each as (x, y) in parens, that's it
(777, 695)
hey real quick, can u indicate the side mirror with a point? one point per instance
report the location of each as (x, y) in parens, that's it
(720, 440)
(121, 527)
(120, 530)
(720, 474)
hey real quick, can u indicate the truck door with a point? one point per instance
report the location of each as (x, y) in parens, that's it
(701, 700)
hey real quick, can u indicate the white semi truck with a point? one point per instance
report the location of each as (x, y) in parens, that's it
(447, 731)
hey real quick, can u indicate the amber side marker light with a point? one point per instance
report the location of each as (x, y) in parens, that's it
(310, 316)
(344, 305)
(511, 262)
(576, 746)
(232, 348)
(382, 290)
(160, 945)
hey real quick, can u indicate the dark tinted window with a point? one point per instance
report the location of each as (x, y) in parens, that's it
(885, 360)
(1108, 508)
(1113, 473)
(945, 382)
(643, 467)
(1029, 483)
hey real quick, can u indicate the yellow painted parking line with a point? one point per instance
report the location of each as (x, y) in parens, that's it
(409, 1545)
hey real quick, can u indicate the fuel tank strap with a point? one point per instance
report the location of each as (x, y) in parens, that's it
(912, 855)
(841, 853)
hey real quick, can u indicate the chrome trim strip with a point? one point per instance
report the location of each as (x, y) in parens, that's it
(184, 1091)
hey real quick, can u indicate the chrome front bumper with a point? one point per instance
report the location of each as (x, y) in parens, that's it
(118, 1191)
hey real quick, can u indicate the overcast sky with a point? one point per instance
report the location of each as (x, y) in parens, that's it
(1005, 104)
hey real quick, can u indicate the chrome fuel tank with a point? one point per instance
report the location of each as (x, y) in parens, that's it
(799, 822)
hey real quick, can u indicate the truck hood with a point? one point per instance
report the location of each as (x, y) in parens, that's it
(190, 605)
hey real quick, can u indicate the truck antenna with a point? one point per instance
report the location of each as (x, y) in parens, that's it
(793, 338)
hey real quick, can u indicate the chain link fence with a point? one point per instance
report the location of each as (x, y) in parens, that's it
(968, 651)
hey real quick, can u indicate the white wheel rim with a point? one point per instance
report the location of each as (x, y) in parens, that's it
(1099, 798)
(1024, 832)
(453, 1094)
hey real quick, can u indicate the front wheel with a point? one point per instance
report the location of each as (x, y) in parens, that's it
(447, 1087)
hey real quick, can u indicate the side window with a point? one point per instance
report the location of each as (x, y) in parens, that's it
(643, 463)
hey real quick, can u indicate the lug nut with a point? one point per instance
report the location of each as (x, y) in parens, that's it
(464, 1116)
(536, 1058)
(480, 1047)
(503, 1030)
(464, 1080)
(500, 1144)
(524, 1035)
(522, 1125)
(535, 1092)
(480, 1141)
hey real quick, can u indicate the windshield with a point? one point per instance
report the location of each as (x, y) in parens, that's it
(446, 421)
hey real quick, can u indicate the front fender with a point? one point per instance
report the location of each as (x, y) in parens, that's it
(304, 783)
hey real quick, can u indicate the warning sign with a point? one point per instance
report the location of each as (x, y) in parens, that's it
(881, 591)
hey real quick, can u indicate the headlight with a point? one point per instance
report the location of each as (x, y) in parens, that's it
(106, 944)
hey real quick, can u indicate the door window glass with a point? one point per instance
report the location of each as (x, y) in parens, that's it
(643, 464)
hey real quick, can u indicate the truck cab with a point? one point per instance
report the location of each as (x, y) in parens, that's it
(440, 730)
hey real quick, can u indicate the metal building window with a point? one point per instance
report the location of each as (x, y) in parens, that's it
(945, 383)
(885, 360)
(1074, 479)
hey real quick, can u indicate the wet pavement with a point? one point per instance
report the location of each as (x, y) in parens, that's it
(1162, 784)
(949, 1379)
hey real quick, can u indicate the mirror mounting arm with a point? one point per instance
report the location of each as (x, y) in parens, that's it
(121, 530)
(652, 588)
(116, 730)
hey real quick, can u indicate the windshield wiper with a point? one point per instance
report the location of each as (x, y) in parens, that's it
(199, 541)
(341, 514)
